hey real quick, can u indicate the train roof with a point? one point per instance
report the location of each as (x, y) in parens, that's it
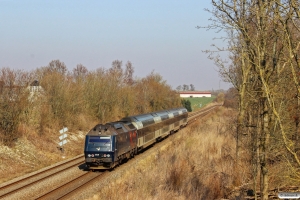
(112, 128)
(150, 118)
(158, 113)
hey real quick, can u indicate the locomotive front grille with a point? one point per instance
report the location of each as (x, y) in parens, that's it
(98, 160)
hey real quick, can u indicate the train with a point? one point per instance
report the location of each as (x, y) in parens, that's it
(108, 145)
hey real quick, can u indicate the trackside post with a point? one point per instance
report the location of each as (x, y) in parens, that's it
(63, 140)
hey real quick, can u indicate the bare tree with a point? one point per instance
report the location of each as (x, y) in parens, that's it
(192, 87)
(179, 88)
(57, 66)
(128, 75)
(80, 72)
(185, 87)
(14, 103)
(257, 44)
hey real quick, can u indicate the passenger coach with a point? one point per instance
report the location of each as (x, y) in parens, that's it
(157, 125)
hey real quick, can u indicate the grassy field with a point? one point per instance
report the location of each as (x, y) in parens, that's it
(200, 102)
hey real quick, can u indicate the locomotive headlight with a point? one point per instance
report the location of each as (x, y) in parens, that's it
(104, 155)
(108, 155)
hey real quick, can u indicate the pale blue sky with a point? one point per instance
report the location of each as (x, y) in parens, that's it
(157, 35)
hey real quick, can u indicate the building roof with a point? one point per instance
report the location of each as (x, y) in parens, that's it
(194, 92)
(35, 83)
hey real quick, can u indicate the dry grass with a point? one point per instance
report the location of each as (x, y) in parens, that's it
(197, 165)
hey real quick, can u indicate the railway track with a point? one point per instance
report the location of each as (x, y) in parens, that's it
(67, 189)
(200, 113)
(13, 187)
(63, 191)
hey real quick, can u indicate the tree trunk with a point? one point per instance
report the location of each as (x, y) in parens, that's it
(264, 141)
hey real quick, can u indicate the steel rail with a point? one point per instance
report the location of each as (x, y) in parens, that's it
(23, 183)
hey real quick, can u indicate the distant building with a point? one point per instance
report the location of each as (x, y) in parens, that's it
(12, 92)
(35, 87)
(35, 90)
(187, 94)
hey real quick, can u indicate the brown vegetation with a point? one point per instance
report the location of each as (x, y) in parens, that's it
(51, 97)
(263, 43)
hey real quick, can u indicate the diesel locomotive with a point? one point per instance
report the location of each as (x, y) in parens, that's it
(107, 145)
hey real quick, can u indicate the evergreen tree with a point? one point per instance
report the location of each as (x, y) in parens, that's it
(187, 104)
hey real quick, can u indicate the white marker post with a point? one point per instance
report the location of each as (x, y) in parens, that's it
(63, 139)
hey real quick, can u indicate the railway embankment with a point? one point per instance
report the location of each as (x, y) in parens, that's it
(32, 153)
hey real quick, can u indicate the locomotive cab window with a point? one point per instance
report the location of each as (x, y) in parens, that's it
(94, 142)
(100, 140)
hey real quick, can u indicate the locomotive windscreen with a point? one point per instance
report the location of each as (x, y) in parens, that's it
(105, 140)
(99, 142)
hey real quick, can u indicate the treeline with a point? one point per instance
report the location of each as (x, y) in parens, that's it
(51, 97)
(185, 87)
(263, 44)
